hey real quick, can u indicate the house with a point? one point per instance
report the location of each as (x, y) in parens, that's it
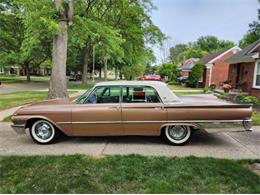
(244, 72)
(216, 68)
(186, 66)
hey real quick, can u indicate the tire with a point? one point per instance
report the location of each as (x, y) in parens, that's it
(177, 134)
(43, 132)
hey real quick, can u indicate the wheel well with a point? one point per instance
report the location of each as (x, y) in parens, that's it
(30, 122)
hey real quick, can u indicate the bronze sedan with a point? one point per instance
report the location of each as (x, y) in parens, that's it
(119, 108)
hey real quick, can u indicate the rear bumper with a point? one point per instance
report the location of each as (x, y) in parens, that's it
(19, 129)
(226, 126)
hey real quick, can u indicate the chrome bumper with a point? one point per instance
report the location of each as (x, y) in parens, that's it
(19, 129)
(226, 126)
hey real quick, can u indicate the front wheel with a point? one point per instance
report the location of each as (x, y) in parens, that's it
(43, 132)
(177, 134)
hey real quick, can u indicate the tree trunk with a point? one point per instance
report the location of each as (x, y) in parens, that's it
(100, 72)
(105, 70)
(116, 72)
(120, 73)
(28, 76)
(58, 82)
(85, 65)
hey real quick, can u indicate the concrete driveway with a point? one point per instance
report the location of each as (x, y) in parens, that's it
(235, 145)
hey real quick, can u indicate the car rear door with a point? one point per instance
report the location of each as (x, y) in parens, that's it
(143, 112)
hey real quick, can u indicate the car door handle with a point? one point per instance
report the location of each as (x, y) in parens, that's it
(159, 108)
(114, 107)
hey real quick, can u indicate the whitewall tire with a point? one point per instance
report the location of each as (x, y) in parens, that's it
(43, 132)
(177, 134)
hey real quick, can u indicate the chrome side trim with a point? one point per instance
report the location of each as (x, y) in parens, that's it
(162, 121)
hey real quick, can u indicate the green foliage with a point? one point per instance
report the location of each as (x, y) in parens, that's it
(247, 99)
(196, 74)
(252, 35)
(192, 53)
(169, 70)
(212, 44)
(176, 51)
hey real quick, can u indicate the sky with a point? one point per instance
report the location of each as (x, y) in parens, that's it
(184, 21)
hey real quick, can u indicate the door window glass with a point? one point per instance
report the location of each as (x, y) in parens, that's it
(104, 95)
(140, 95)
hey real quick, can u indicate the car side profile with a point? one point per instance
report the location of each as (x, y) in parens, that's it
(119, 108)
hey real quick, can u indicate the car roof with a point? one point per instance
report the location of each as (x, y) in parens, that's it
(164, 92)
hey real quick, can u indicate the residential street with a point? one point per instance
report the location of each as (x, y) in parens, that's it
(235, 145)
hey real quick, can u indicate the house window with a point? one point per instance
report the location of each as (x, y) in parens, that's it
(257, 75)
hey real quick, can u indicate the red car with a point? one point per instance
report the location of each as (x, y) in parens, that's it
(150, 78)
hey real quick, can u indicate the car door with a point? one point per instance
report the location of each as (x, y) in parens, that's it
(99, 113)
(143, 112)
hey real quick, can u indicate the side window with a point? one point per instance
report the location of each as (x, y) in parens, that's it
(104, 95)
(140, 95)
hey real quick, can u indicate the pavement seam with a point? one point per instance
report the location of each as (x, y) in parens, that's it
(103, 150)
(244, 146)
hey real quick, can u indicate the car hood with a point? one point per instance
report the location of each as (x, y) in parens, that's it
(52, 102)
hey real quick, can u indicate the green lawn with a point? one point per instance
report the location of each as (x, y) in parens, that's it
(79, 86)
(179, 87)
(125, 174)
(22, 79)
(188, 93)
(8, 100)
(256, 118)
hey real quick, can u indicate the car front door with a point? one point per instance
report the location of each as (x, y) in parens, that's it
(143, 112)
(99, 113)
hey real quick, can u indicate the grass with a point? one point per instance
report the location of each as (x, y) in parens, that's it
(188, 93)
(79, 86)
(8, 100)
(22, 79)
(125, 174)
(256, 119)
(180, 87)
(7, 119)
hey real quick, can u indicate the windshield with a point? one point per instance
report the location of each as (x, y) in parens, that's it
(82, 98)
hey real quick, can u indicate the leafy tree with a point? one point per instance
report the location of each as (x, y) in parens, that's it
(192, 53)
(196, 74)
(176, 51)
(252, 35)
(211, 44)
(169, 71)
(21, 44)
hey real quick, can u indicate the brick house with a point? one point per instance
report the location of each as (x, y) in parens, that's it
(216, 68)
(244, 72)
(186, 66)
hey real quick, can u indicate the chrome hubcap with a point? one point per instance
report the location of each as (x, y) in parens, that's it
(43, 130)
(177, 132)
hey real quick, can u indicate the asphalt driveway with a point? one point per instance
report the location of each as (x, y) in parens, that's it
(233, 145)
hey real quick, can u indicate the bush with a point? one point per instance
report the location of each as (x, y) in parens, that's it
(247, 99)
(195, 75)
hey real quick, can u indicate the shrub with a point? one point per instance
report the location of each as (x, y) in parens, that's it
(247, 99)
(196, 74)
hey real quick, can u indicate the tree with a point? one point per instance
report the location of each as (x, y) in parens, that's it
(58, 81)
(192, 53)
(24, 42)
(169, 71)
(176, 51)
(195, 75)
(212, 44)
(252, 35)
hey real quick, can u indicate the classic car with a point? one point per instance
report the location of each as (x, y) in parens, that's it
(152, 77)
(119, 108)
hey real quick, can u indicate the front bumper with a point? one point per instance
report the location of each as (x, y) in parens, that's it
(19, 129)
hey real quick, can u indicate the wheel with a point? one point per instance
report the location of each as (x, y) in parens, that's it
(43, 132)
(177, 134)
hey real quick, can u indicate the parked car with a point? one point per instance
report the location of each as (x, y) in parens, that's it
(150, 78)
(75, 77)
(147, 108)
(182, 80)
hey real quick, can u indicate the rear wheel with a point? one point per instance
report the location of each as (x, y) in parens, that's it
(177, 134)
(43, 132)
